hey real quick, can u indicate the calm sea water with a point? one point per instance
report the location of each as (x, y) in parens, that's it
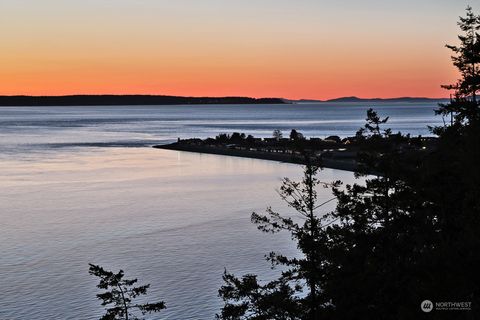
(28, 130)
(82, 185)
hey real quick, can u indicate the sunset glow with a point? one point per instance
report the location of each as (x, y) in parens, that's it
(291, 49)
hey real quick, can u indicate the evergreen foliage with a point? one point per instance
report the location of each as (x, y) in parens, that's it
(120, 295)
(407, 233)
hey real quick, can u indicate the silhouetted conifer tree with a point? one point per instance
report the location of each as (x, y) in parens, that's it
(277, 134)
(463, 105)
(295, 295)
(410, 231)
(120, 295)
(295, 135)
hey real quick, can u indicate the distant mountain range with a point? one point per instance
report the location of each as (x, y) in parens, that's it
(357, 99)
(106, 100)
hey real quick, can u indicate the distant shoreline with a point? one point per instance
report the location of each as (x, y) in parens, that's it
(147, 100)
(338, 164)
(125, 100)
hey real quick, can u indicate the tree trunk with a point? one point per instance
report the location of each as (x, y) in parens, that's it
(125, 308)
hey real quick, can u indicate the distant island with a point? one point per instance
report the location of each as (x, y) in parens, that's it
(116, 100)
(135, 100)
(357, 99)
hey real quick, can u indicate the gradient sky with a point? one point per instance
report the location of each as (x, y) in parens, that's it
(294, 49)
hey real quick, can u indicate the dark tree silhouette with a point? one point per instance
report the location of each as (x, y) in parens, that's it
(295, 135)
(463, 105)
(409, 232)
(223, 138)
(372, 126)
(295, 295)
(373, 241)
(277, 134)
(120, 295)
(237, 137)
(412, 231)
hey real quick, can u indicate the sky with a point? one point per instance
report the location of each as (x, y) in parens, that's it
(312, 49)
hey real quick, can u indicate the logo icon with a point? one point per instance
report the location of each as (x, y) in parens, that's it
(426, 306)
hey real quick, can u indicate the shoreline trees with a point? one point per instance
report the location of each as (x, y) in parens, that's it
(409, 233)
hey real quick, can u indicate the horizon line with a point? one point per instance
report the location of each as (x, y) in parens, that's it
(226, 96)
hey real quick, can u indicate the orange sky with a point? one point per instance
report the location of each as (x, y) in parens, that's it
(302, 49)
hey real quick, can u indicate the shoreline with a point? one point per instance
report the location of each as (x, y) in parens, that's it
(127, 100)
(338, 164)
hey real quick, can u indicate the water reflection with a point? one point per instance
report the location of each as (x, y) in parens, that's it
(173, 219)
